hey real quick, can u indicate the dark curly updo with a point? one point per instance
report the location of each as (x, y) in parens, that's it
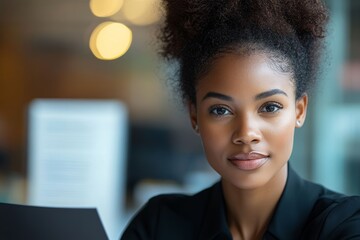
(289, 32)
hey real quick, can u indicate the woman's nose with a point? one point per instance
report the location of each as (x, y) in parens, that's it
(246, 131)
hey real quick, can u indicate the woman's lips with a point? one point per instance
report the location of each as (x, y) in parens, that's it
(249, 161)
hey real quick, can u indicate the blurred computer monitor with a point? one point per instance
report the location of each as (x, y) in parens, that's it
(77, 153)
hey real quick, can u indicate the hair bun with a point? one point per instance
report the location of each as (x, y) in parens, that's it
(188, 20)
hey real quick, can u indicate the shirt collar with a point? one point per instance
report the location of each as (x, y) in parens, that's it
(293, 208)
(289, 218)
(215, 223)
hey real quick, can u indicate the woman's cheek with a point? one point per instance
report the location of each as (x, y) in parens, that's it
(282, 136)
(214, 140)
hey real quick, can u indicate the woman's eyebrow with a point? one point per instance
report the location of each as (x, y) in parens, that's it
(257, 97)
(269, 93)
(217, 95)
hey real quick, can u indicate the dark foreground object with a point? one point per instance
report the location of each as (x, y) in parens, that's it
(29, 222)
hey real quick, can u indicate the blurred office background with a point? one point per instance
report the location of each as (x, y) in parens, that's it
(52, 49)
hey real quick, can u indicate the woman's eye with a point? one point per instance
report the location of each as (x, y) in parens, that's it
(271, 108)
(219, 111)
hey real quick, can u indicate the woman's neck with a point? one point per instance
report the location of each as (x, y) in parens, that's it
(249, 211)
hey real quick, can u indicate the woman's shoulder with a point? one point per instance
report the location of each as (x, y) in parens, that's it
(169, 214)
(334, 216)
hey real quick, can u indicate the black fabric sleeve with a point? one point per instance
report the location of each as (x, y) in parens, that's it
(343, 221)
(143, 225)
(349, 229)
(335, 219)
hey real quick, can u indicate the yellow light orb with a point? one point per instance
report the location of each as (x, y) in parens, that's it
(105, 8)
(142, 12)
(110, 40)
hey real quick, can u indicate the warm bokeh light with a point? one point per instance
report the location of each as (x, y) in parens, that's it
(110, 40)
(142, 12)
(105, 8)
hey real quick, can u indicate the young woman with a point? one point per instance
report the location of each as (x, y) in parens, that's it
(245, 67)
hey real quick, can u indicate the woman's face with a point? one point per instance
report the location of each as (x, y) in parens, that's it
(246, 113)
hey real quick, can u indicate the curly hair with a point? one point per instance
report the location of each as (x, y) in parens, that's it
(289, 32)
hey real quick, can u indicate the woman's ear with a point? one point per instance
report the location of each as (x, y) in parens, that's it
(301, 108)
(193, 116)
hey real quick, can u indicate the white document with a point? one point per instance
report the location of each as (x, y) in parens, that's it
(77, 157)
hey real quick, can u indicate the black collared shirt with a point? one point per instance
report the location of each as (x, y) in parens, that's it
(304, 211)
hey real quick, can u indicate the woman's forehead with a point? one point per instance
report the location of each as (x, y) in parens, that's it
(254, 66)
(235, 73)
